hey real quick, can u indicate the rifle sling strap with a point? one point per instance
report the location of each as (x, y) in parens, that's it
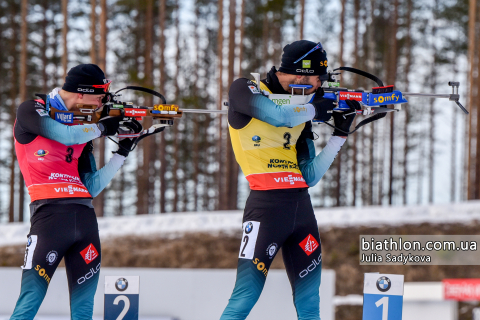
(150, 91)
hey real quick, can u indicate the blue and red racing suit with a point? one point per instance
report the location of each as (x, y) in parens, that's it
(59, 169)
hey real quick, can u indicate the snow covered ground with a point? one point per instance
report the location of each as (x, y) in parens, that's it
(176, 224)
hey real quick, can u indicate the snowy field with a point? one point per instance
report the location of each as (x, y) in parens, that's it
(176, 224)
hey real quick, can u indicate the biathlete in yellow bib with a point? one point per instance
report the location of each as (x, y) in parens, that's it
(273, 143)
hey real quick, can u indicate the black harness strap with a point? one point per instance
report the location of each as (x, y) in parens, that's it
(152, 92)
(362, 73)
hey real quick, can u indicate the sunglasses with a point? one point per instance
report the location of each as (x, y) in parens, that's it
(318, 46)
(95, 88)
(104, 86)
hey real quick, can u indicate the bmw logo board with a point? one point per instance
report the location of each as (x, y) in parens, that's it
(121, 297)
(383, 296)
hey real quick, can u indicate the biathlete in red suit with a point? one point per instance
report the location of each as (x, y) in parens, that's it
(59, 169)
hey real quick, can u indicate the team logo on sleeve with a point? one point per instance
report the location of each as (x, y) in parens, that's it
(42, 112)
(89, 253)
(254, 89)
(309, 244)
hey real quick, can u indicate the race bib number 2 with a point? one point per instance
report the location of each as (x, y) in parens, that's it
(249, 239)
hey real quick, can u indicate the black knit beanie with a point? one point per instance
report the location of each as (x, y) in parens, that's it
(314, 64)
(81, 78)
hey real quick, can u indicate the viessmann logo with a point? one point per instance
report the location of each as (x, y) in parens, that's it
(350, 96)
(289, 179)
(70, 190)
(136, 112)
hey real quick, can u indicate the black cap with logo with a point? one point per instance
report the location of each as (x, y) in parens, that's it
(304, 57)
(86, 78)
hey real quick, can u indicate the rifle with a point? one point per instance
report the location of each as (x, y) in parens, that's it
(162, 114)
(114, 107)
(374, 102)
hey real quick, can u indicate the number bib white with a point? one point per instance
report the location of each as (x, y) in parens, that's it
(249, 239)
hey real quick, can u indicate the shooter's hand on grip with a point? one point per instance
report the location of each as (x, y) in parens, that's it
(323, 107)
(343, 120)
(108, 125)
(125, 145)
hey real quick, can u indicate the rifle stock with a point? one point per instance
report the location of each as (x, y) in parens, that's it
(87, 114)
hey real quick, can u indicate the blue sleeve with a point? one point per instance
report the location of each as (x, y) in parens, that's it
(33, 118)
(247, 101)
(314, 167)
(96, 180)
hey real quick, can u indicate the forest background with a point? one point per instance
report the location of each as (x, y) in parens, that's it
(191, 51)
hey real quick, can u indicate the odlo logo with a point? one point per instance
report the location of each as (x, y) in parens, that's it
(85, 90)
(310, 268)
(305, 70)
(89, 274)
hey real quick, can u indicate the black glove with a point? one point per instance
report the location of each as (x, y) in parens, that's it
(343, 120)
(109, 125)
(323, 107)
(125, 145)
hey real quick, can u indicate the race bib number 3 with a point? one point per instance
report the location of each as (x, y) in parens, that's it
(249, 239)
(29, 251)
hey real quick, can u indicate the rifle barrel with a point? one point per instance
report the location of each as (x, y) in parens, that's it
(204, 111)
(431, 95)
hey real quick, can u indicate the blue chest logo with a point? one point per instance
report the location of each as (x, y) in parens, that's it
(256, 138)
(64, 117)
